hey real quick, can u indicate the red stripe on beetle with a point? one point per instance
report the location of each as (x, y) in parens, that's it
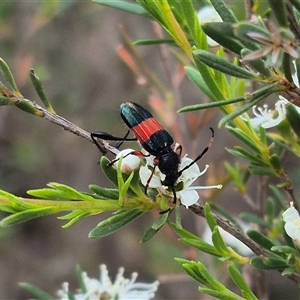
(145, 129)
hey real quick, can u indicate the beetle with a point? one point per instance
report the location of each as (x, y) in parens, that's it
(155, 140)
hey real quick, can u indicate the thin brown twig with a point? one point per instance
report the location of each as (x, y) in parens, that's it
(67, 125)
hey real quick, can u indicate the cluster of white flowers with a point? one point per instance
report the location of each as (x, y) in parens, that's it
(187, 194)
(104, 288)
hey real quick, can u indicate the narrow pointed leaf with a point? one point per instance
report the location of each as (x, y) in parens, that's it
(224, 11)
(244, 154)
(222, 295)
(260, 264)
(37, 292)
(202, 246)
(219, 242)
(246, 139)
(147, 42)
(109, 171)
(149, 234)
(104, 193)
(240, 282)
(125, 6)
(293, 118)
(211, 221)
(260, 239)
(243, 29)
(251, 218)
(40, 91)
(9, 77)
(223, 65)
(279, 9)
(262, 171)
(198, 80)
(115, 223)
(222, 33)
(210, 104)
(25, 216)
(182, 232)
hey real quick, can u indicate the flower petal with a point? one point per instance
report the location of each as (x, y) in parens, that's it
(188, 197)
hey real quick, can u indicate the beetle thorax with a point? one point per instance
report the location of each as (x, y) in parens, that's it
(168, 164)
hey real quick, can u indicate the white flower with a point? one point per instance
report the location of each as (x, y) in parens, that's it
(292, 223)
(208, 14)
(187, 195)
(104, 288)
(268, 118)
(129, 162)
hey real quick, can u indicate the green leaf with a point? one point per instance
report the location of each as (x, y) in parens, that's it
(192, 22)
(261, 264)
(211, 221)
(198, 80)
(149, 234)
(279, 9)
(223, 10)
(276, 263)
(262, 171)
(222, 33)
(223, 65)
(60, 191)
(115, 223)
(293, 118)
(37, 292)
(219, 242)
(244, 154)
(182, 232)
(222, 295)
(160, 221)
(210, 104)
(80, 277)
(251, 218)
(278, 196)
(74, 217)
(260, 239)
(40, 91)
(270, 211)
(110, 172)
(202, 246)
(210, 81)
(275, 163)
(147, 42)
(242, 29)
(156, 226)
(244, 137)
(5, 101)
(240, 282)
(104, 193)
(284, 249)
(9, 77)
(125, 6)
(27, 215)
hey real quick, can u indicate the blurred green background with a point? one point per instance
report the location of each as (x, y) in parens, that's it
(72, 47)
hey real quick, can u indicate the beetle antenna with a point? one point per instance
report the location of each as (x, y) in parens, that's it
(201, 154)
